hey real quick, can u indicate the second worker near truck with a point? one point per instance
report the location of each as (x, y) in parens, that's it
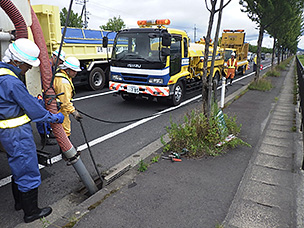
(63, 84)
(232, 65)
(44, 128)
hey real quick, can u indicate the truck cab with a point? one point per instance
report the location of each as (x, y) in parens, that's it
(234, 41)
(154, 61)
(150, 62)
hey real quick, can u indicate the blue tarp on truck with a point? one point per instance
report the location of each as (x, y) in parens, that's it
(87, 36)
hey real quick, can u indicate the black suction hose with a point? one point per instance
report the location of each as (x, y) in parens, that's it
(89, 148)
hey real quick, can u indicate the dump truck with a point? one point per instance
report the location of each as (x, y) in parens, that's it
(234, 41)
(84, 44)
(154, 61)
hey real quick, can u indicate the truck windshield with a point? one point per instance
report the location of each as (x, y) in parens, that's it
(137, 46)
(227, 54)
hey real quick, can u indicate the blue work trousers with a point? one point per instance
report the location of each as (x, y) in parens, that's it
(22, 156)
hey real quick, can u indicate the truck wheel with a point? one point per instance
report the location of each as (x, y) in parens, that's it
(178, 94)
(244, 70)
(216, 78)
(107, 74)
(97, 79)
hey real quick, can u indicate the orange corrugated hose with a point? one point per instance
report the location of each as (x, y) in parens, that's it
(46, 76)
(45, 68)
(10, 9)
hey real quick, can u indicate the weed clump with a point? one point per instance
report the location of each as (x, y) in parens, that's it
(273, 73)
(200, 135)
(262, 84)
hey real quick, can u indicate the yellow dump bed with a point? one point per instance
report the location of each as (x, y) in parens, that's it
(78, 42)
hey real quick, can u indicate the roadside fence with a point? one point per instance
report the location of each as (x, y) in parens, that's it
(300, 73)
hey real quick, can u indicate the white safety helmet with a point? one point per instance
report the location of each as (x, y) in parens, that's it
(62, 54)
(72, 63)
(232, 54)
(26, 51)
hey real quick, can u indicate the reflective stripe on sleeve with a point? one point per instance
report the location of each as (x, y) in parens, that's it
(5, 71)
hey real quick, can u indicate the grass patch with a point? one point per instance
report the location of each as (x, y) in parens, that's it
(273, 73)
(284, 64)
(155, 159)
(301, 58)
(96, 204)
(72, 223)
(280, 67)
(200, 135)
(262, 84)
(219, 226)
(142, 167)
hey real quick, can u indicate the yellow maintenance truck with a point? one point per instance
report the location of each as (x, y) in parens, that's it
(234, 41)
(156, 61)
(84, 44)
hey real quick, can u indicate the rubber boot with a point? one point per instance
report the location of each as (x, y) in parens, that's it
(30, 206)
(17, 196)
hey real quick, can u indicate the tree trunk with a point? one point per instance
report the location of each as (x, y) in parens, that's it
(204, 78)
(273, 53)
(279, 53)
(213, 60)
(260, 40)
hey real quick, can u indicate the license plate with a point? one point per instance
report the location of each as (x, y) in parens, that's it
(133, 89)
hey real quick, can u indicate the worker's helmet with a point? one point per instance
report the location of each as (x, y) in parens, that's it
(232, 54)
(26, 51)
(72, 63)
(62, 54)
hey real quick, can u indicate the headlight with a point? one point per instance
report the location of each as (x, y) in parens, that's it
(156, 80)
(116, 77)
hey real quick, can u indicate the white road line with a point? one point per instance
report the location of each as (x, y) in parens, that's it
(82, 147)
(94, 95)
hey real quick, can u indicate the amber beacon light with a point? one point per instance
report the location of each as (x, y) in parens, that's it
(153, 22)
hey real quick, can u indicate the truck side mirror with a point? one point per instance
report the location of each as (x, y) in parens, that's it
(166, 39)
(105, 41)
(165, 51)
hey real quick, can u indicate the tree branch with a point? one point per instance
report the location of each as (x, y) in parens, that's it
(221, 8)
(207, 6)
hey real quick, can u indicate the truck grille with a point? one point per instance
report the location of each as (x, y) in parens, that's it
(135, 78)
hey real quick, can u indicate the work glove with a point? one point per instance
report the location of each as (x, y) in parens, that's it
(77, 115)
(59, 117)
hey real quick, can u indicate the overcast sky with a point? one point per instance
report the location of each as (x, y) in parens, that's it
(183, 15)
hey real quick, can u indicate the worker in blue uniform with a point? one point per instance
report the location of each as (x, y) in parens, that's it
(17, 109)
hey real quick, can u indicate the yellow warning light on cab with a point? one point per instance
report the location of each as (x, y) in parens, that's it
(153, 22)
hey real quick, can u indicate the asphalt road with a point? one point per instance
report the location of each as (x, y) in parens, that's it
(110, 143)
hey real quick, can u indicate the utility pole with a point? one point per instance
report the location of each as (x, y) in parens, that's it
(84, 12)
(194, 32)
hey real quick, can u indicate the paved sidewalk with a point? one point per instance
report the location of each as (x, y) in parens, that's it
(265, 197)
